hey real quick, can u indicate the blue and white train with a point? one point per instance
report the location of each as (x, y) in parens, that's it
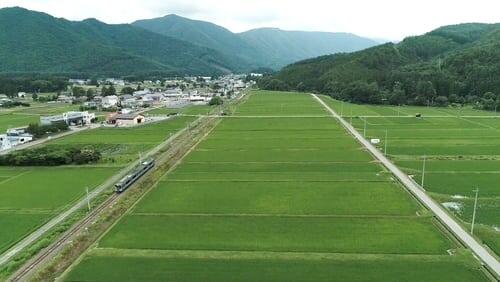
(136, 173)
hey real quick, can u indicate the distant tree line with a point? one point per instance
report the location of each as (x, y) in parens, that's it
(10, 86)
(51, 156)
(12, 104)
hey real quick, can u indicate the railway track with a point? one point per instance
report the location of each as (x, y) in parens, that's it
(23, 272)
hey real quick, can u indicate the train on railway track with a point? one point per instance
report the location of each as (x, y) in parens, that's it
(134, 175)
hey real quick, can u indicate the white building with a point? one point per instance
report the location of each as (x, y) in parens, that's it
(13, 138)
(70, 118)
(173, 93)
(197, 98)
(141, 93)
(109, 101)
(114, 81)
(154, 97)
(79, 81)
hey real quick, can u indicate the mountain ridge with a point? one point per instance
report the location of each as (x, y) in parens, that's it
(257, 47)
(36, 42)
(42, 43)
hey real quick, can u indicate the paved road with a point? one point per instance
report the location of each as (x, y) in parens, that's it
(30, 239)
(479, 250)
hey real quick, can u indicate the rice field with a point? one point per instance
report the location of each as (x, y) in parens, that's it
(189, 110)
(271, 197)
(23, 116)
(30, 196)
(462, 154)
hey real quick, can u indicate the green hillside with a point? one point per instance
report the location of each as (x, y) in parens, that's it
(453, 64)
(37, 42)
(281, 47)
(265, 47)
(204, 34)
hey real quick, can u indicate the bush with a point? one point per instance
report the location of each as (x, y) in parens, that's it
(216, 101)
(12, 104)
(38, 130)
(51, 156)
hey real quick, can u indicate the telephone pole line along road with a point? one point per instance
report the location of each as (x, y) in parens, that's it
(479, 250)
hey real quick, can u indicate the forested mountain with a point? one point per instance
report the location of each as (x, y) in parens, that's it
(37, 42)
(264, 47)
(205, 34)
(281, 47)
(458, 64)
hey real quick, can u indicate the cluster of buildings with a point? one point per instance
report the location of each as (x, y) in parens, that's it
(125, 108)
(188, 90)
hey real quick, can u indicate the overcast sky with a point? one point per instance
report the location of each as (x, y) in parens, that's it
(390, 19)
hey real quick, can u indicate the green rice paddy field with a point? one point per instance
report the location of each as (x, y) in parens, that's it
(30, 196)
(189, 110)
(22, 116)
(267, 197)
(462, 149)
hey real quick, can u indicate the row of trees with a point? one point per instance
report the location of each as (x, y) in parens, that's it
(11, 86)
(425, 94)
(11, 104)
(38, 130)
(51, 156)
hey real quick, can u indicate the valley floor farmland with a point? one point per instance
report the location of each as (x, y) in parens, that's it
(23, 116)
(462, 154)
(30, 196)
(270, 197)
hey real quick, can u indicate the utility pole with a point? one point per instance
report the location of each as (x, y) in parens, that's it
(474, 212)
(385, 143)
(88, 198)
(423, 171)
(364, 128)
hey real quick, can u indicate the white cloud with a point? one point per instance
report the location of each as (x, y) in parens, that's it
(392, 19)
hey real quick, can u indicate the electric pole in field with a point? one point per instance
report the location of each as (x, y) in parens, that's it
(385, 142)
(423, 171)
(364, 128)
(474, 212)
(88, 198)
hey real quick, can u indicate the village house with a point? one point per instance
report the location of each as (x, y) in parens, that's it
(109, 101)
(128, 119)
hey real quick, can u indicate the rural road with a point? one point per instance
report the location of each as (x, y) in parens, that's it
(30, 239)
(479, 250)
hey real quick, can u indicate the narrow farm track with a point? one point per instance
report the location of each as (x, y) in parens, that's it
(479, 250)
